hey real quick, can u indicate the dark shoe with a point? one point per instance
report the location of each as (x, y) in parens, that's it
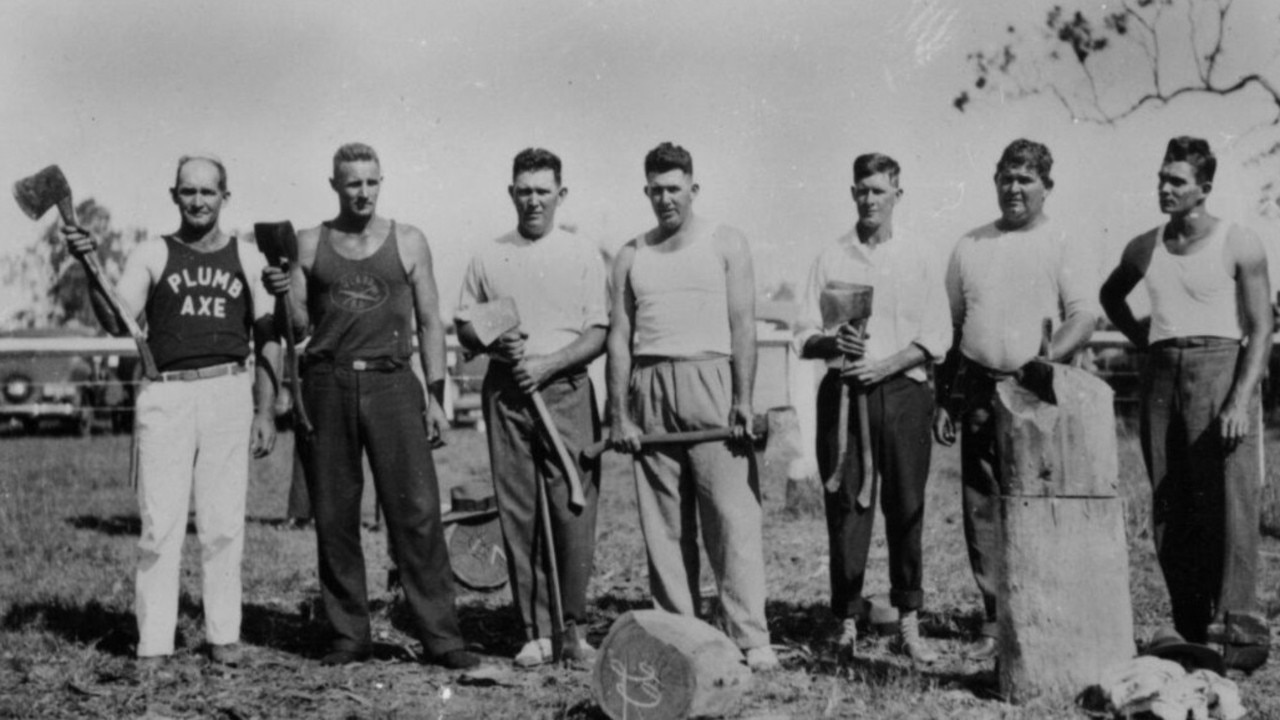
(455, 659)
(230, 654)
(984, 650)
(345, 657)
(578, 653)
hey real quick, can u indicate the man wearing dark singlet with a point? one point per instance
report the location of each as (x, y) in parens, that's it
(360, 284)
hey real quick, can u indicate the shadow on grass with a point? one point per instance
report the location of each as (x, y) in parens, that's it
(116, 525)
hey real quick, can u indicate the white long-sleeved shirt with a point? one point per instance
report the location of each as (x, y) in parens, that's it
(908, 304)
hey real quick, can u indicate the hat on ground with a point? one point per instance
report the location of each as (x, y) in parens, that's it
(1167, 644)
(470, 500)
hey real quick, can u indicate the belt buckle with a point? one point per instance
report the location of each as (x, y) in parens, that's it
(359, 365)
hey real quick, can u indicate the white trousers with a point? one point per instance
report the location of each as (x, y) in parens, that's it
(192, 434)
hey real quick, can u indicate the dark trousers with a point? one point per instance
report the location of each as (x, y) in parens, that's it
(299, 507)
(900, 411)
(980, 485)
(522, 458)
(1206, 499)
(383, 413)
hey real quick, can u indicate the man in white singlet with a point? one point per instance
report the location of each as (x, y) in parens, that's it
(682, 356)
(1207, 342)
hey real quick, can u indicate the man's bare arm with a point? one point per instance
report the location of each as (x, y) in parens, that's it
(534, 370)
(623, 432)
(1123, 279)
(740, 288)
(416, 255)
(1253, 286)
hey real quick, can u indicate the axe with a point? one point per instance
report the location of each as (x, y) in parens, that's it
(49, 187)
(759, 428)
(279, 244)
(850, 303)
(490, 321)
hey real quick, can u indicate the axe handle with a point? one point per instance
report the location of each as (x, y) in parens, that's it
(149, 370)
(596, 449)
(553, 571)
(576, 498)
(291, 357)
(864, 445)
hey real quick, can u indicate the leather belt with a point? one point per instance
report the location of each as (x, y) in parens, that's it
(378, 364)
(204, 373)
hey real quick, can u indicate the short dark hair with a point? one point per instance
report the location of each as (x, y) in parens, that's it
(1195, 152)
(354, 152)
(668, 156)
(222, 170)
(534, 159)
(864, 166)
(1029, 153)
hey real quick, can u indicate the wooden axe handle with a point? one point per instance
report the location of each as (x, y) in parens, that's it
(576, 497)
(597, 449)
(149, 370)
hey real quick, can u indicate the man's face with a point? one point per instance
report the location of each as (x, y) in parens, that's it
(1178, 190)
(536, 195)
(357, 183)
(1021, 192)
(671, 195)
(197, 195)
(875, 196)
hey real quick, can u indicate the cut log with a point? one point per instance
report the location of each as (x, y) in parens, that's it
(1063, 449)
(476, 553)
(1063, 600)
(654, 665)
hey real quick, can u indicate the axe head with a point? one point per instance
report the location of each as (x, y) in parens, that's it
(492, 319)
(277, 241)
(38, 193)
(843, 302)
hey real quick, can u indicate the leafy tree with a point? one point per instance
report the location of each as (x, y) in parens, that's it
(54, 285)
(1108, 65)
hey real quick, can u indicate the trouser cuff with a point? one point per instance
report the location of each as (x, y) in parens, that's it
(855, 609)
(906, 599)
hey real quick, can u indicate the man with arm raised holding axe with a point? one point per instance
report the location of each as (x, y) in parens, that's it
(535, 300)
(363, 285)
(196, 423)
(885, 354)
(1003, 280)
(682, 352)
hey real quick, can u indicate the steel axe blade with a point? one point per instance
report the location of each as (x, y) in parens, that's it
(491, 320)
(39, 192)
(277, 241)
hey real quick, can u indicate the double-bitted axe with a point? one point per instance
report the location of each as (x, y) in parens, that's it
(279, 244)
(49, 188)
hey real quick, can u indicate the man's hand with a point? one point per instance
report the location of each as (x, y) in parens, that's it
(868, 372)
(436, 421)
(624, 434)
(740, 417)
(276, 279)
(850, 342)
(79, 242)
(262, 433)
(531, 372)
(509, 347)
(944, 428)
(1234, 424)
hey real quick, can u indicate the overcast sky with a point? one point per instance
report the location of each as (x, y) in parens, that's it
(773, 99)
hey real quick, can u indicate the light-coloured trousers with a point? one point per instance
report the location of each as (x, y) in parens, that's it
(192, 434)
(680, 486)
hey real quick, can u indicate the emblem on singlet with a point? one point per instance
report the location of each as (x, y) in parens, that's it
(359, 292)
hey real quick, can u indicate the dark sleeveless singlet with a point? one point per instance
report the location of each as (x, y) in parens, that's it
(200, 312)
(361, 309)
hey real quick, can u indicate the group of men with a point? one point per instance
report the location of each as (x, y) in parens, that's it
(675, 316)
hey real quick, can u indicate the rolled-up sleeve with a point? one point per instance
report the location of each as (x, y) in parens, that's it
(809, 319)
(936, 321)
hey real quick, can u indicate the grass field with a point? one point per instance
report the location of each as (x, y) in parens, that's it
(68, 523)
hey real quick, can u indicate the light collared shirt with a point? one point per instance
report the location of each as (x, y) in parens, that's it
(1003, 285)
(557, 283)
(908, 303)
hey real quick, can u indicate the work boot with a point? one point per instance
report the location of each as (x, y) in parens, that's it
(230, 654)
(909, 641)
(575, 650)
(847, 639)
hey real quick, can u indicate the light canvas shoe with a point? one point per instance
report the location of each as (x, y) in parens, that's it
(909, 641)
(762, 659)
(534, 653)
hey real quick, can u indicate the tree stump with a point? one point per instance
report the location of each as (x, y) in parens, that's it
(654, 665)
(1063, 595)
